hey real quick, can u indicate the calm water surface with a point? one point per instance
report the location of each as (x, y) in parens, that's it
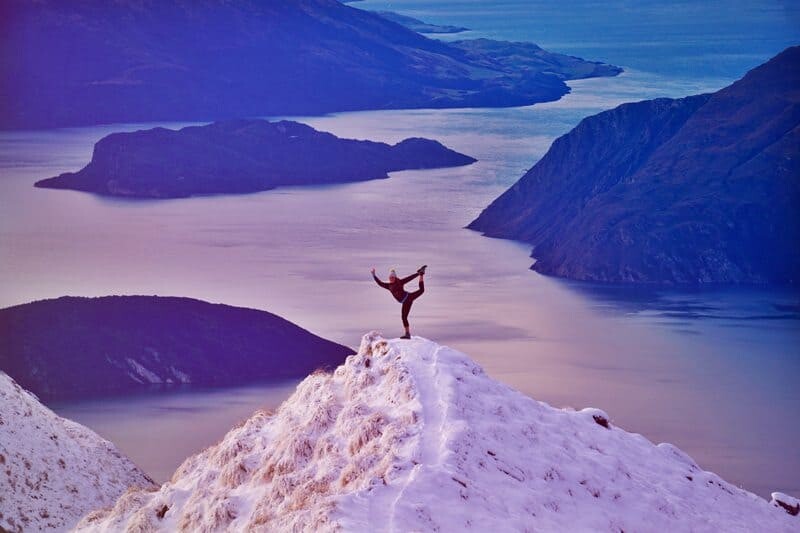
(160, 430)
(712, 371)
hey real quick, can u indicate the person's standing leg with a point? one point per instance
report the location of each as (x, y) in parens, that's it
(404, 314)
(407, 306)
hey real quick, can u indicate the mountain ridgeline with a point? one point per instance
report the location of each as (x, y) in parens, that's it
(95, 62)
(241, 156)
(703, 189)
(79, 347)
(420, 26)
(409, 435)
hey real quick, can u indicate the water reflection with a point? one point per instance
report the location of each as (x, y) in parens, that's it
(693, 303)
(159, 430)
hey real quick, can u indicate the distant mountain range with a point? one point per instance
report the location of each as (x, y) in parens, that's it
(240, 156)
(419, 25)
(703, 189)
(93, 62)
(77, 347)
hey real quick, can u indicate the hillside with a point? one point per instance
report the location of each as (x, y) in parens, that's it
(703, 189)
(78, 347)
(413, 436)
(97, 62)
(53, 470)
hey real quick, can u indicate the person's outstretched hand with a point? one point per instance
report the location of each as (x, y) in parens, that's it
(372, 270)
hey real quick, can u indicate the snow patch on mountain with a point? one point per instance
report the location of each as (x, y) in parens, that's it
(414, 436)
(147, 375)
(182, 377)
(53, 470)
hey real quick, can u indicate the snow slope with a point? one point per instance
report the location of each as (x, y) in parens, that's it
(413, 436)
(53, 470)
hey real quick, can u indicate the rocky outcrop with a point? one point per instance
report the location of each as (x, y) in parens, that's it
(788, 503)
(241, 156)
(703, 189)
(79, 347)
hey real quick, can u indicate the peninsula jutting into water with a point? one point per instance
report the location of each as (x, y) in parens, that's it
(85, 347)
(702, 189)
(75, 64)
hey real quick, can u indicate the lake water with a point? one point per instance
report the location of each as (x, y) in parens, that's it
(712, 371)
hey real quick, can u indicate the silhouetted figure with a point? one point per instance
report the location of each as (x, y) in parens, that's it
(395, 286)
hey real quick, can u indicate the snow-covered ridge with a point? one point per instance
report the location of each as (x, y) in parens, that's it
(52, 470)
(413, 436)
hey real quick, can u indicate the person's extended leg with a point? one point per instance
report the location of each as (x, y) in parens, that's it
(407, 306)
(417, 293)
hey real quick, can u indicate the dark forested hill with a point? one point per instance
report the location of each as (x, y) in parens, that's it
(239, 156)
(93, 61)
(704, 189)
(73, 347)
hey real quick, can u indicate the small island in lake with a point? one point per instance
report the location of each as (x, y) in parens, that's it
(703, 189)
(242, 156)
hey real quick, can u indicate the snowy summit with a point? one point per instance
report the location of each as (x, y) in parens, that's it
(413, 436)
(52, 470)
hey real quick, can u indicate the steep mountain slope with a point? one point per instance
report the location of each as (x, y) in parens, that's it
(241, 156)
(90, 62)
(72, 347)
(413, 436)
(703, 189)
(53, 470)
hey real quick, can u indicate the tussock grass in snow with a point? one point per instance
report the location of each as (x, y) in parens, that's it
(413, 436)
(53, 470)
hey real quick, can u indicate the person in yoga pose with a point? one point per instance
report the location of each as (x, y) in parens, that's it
(396, 287)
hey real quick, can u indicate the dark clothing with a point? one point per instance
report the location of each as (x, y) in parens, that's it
(400, 294)
(396, 286)
(410, 300)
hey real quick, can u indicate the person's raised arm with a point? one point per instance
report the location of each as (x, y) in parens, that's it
(378, 281)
